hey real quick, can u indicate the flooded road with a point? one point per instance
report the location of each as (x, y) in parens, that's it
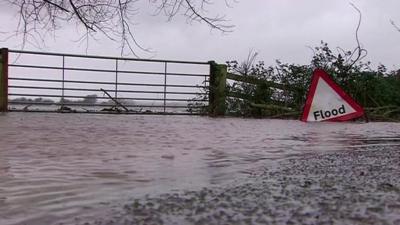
(54, 167)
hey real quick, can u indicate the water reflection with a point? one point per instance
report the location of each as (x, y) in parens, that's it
(55, 166)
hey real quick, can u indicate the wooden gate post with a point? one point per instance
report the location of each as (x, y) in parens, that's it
(4, 80)
(217, 92)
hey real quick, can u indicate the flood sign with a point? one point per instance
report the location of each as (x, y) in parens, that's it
(326, 101)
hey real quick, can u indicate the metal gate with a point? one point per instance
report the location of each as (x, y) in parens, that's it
(53, 82)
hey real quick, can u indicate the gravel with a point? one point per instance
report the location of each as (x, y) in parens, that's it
(349, 187)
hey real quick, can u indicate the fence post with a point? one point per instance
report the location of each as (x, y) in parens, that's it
(217, 93)
(4, 80)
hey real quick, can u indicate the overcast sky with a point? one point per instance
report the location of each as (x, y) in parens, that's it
(276, 29)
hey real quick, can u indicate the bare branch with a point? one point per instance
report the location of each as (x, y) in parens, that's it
(56, 5)
(361, 52)
(212, 22)
(78, 14)
(112, 19)
(395, 25)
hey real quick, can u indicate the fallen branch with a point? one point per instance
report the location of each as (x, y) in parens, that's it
(390, 112)
(26, 108)
(114, 100)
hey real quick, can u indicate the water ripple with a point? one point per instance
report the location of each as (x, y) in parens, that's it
(57, 166)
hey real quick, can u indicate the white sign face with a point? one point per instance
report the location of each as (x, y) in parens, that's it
(327, 101)
(327, 104)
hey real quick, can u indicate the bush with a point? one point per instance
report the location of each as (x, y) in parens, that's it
(371, 88)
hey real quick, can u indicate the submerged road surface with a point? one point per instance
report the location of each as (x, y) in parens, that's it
(119, 169)
(353, 187)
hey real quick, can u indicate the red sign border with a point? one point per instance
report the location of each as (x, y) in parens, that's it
(319, 73)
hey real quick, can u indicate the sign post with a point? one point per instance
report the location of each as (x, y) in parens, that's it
(4, 80)
(326, 101)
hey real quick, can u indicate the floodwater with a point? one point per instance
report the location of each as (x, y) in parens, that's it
(61, 167)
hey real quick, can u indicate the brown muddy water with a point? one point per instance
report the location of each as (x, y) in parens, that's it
(56, 168)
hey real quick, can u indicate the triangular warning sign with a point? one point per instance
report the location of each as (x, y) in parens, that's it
(326, 101)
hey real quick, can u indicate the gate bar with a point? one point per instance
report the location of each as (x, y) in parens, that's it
(107, 57)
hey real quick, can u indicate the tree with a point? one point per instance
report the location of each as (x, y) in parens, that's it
(111, 18)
